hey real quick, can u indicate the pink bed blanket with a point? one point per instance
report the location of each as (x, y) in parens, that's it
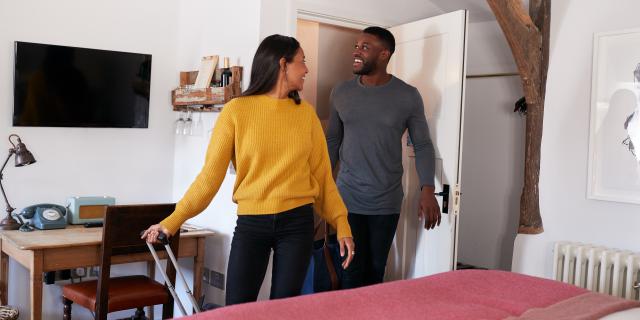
(470, 294)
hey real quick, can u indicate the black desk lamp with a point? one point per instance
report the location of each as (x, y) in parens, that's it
(23, 158)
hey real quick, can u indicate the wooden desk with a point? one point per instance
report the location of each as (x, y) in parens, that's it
(75, 247)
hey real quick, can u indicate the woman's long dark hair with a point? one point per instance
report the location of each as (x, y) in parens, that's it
(266, 64)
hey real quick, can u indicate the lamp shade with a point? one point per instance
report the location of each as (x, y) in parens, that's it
(23, 155)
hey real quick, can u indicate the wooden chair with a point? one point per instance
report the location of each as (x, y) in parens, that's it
(121, 236)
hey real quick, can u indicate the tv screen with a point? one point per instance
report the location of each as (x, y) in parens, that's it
(59, 86)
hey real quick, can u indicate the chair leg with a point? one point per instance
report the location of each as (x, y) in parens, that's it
(67, 308)
(139, 314)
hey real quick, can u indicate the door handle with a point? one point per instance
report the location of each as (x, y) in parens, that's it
(445, 197)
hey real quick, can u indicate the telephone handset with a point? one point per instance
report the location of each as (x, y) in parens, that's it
(46, 216)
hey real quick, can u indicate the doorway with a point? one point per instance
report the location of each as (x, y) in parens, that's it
(329, 46)
(426, 50)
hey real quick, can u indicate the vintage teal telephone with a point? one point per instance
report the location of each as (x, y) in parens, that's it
(46, 216)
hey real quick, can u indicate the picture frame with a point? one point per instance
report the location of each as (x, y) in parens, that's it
(614, 131)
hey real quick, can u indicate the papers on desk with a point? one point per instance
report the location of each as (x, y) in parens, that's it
(186, 227)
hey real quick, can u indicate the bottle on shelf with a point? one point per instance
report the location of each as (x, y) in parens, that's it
(226, 73)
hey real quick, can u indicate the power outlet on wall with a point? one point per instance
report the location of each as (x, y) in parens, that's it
(217, 279)
(94, 271)
(50, 277)
(78, 273)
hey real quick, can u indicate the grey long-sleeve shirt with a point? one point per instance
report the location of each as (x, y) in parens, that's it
(365, 132)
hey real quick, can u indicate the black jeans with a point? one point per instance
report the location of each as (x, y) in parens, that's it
(373, 235)
(289, 234)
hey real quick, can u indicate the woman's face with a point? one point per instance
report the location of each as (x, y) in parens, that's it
(295, 71)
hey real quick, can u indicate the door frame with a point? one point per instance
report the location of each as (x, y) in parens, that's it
(317, 16)
(333, 20)
(298, 11)
(457, 206)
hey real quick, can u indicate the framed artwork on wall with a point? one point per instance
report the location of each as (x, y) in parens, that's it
(614, 133)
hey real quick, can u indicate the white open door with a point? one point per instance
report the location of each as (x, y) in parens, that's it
(430, 55)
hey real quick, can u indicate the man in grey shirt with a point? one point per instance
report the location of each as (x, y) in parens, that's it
(369, 115)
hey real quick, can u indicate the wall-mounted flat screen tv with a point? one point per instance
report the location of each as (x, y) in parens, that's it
(60, 86)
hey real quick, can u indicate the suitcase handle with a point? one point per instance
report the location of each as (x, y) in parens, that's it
(165, 241)
(162, 238)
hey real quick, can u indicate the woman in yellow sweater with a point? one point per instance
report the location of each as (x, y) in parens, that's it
(277, 146)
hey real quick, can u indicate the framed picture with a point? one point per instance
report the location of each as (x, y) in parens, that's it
(614, 133)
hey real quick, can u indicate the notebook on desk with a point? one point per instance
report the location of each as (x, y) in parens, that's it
(186, 227)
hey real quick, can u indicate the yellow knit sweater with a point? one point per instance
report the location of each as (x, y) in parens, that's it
(281, 160)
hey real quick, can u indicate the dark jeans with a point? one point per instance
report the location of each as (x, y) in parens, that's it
(373, 235)
(289, 234)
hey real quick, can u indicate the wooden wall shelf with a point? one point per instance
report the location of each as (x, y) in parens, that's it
(208, 99)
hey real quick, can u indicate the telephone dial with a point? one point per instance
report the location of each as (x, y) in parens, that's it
(45, 216)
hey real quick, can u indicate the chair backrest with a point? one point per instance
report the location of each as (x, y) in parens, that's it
(121, 232)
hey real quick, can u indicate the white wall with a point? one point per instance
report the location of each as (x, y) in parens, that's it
(226, 29)
(493, 152)
(566, 213)
(133, 165)
(487, 50)
(492, 164)
(277, 17)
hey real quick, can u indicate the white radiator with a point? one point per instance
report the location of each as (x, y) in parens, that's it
(599, 269)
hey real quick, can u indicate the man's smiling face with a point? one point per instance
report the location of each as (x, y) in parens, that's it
(366, 54)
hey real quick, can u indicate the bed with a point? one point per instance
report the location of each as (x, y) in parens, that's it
(466, 294)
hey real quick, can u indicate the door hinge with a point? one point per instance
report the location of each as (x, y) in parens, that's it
(456, 199)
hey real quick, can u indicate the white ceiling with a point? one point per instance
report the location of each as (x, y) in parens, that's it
(394, 12)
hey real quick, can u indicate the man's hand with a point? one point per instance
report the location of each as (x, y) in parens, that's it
(429, 209)
(347, 246)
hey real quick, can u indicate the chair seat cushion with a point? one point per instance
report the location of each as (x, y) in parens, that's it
(124, 293)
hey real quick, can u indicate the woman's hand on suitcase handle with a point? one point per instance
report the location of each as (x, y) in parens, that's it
(151, 234)
(350, 248)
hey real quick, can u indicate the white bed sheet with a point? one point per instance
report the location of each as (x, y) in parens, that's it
(629, 314)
